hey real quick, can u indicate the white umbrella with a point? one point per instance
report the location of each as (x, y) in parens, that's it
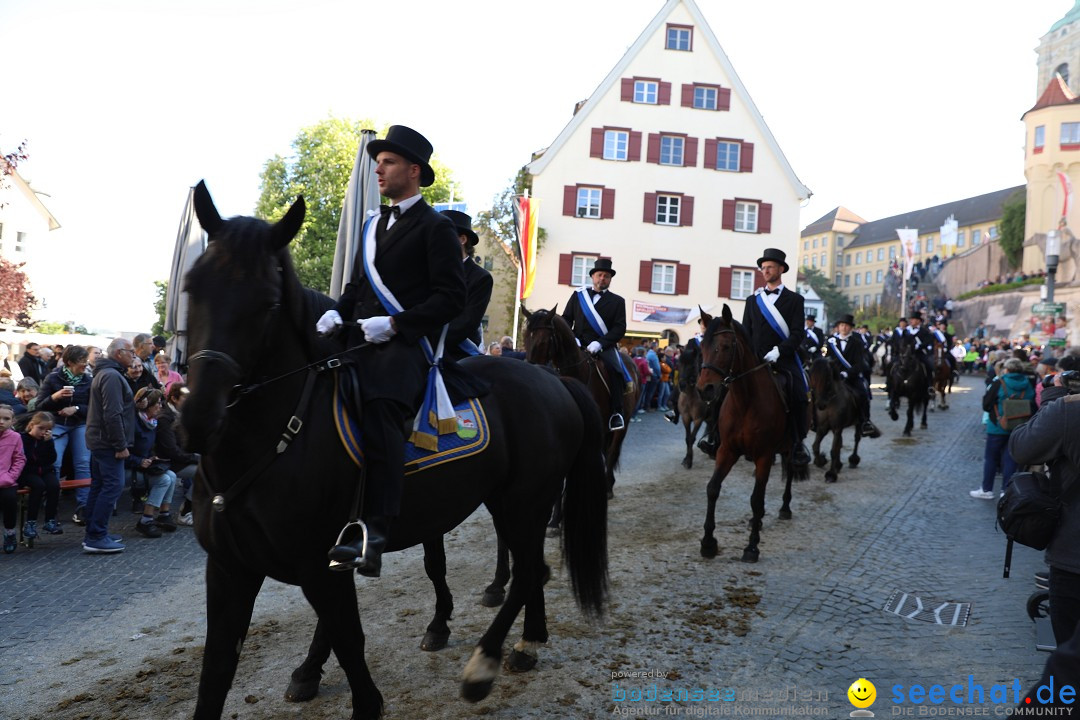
(362, 195)
(190, 244)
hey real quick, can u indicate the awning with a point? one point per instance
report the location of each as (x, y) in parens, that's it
(647, 335)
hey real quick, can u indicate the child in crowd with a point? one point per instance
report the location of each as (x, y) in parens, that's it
(39, 475)
(11, 465)
(160, 480)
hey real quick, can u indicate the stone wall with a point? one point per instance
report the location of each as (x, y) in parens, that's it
(1008, 314)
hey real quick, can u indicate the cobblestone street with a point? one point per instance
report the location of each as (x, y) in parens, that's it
(793, 631)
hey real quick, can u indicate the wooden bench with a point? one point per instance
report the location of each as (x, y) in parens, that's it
(23, 496)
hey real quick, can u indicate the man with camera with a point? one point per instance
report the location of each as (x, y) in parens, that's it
(1052, 436)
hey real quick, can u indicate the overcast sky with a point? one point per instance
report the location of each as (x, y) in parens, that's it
(880, 107)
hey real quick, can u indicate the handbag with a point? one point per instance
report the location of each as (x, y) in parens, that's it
(1028, 512)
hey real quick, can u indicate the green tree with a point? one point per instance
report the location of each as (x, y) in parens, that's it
(161, 290)
(1013, 218)
(319, 169)
(836, 303)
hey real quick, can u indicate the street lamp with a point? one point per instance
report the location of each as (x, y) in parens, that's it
(1053, 250)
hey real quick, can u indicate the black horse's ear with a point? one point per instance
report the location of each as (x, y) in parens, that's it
(554, 310)
(705, 317)
(286, 228)
(205, 210)
(727, 313)
(525, 311)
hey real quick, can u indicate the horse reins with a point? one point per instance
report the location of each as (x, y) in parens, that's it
(727, 377)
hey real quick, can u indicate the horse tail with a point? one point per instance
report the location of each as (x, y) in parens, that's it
(584, 539)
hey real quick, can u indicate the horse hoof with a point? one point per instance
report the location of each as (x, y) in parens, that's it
(853, 461)
(519, 662)
(922, 426)
(820, 461)
(476, 691)
(479, 676)
(830, 477)
(784, 514)
(493, 598)
(893, 415)
(434, 640)
(750, 555)
(552, 532)
(688, 463)
(709, 548)
(906, 433)
(610, 494)
(301, 690)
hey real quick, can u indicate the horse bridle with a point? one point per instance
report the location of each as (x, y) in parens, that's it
(726, 375)
(549, 326)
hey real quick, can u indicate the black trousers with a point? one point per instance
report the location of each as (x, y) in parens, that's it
(45, 486)
(384, 433)
(1064, 603)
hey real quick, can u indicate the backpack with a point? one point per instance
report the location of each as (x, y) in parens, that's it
(1028, 513)
(1013, 410)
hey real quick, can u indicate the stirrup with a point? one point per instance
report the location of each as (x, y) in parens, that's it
(616, 422)
(356, 561)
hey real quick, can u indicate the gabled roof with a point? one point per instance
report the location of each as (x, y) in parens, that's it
(1056, 93)
(969, 211)
(24, 187)
(737, 87)
(828, 221)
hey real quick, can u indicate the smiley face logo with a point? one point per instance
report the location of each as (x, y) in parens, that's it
(862, 693)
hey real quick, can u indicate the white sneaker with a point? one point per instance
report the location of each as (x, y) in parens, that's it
(982, 494)
(185, 519)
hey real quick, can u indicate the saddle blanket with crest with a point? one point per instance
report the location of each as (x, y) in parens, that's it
(471, 437)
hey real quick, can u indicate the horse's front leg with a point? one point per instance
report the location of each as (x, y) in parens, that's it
(725, 460)
(230, 598)
(495, 593)
(438, 632)
(894, 403)
(819, 435)
(534, 633)
(333, 596)
(911, 417)
(922, 424)
(835, 463)
(304, 683)
(691, 430)
(854, 459)
(757, 507)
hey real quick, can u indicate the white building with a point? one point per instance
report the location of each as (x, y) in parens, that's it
(24, 224)
(669, 170)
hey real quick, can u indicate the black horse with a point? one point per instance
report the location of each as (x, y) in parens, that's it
(907, 378)
(275, 484)
(692, 407)
(835, 407)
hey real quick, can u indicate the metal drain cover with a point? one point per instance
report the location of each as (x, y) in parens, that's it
(940, 612)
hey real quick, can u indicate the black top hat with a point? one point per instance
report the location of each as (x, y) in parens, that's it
(463, 224)
(849, 319)
(915, 316)
(602, 264)
(410, 145)
(774, 254)
(811, 318)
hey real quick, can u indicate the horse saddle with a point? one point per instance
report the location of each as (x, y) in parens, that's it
(471, 437)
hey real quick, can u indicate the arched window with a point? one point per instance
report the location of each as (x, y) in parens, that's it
(1063, 71)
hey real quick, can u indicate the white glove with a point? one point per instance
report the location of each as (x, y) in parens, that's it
(843, 374)
(594, 347)
(330, 321)
(773, 355)
(377, 329)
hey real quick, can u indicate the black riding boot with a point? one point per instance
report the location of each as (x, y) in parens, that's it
(351, 553)
(616, 421)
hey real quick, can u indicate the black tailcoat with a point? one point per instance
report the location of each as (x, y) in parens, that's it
(478, 285)
(611, 308)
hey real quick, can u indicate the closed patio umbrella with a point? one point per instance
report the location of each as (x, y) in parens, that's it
(362, 195)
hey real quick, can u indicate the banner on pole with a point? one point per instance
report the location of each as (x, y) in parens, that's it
(908, 236)
(527, 227)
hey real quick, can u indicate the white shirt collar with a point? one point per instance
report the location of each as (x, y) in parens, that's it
(404, 205)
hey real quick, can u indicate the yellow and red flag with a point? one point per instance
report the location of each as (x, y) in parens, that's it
(526, 223)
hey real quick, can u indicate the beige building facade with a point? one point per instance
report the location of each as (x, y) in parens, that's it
(25, 223)
(669, 170)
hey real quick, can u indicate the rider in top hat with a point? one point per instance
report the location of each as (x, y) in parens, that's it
(407, 283)
(940, 332)
(598, 318)
(465, 336)
(814, 338)
(923, 343)
(771, 317)
(849, 349)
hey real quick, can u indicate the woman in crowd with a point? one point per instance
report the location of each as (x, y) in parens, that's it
(495, 349)
(138, 377)
(166, 376)
(65, 392)
(147, 468)
(169, 445)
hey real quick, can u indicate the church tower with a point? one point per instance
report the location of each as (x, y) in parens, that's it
(1059, 52)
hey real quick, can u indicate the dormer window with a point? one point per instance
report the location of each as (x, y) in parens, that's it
(679, 37)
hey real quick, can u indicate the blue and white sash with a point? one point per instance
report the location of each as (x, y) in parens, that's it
(839, 355)
(813, 336)
(436, 415)
(780, 327)
(939, 335)
(597, 324)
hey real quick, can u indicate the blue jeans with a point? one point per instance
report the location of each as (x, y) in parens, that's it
(665, 394)
(80, 455)
(647, 395)
(161, 488)
(997, 456)
(106, 484)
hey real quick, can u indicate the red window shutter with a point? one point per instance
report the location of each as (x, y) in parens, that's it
(723, 98)
(645, 276)
(607, 203)
(759, 280)
(690, 152)
(710, 153)
(566, 268)
(628, 89)
(682, 279)
(764, 218)
(727, 221)
(688, 96)
(569, 200)
(686, 212)
(724, 290)
(633, 150)
(653, 153)
(746, 157)
(650, 208)
(596, 143)
(663, 96)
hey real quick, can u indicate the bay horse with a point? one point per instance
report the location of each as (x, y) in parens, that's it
(753, 422)
(942, 376)
(835, 407)
(275, 484)
(907, 379)
(692, 406)
(550, 341)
